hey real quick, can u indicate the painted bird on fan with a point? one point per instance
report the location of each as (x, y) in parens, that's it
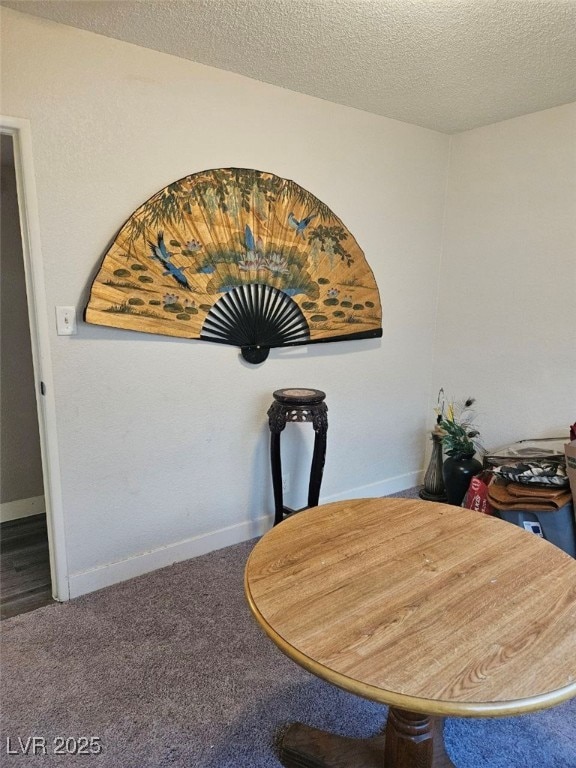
(301, 225)
(161, 254)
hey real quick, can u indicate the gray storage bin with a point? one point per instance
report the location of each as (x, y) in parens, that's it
(556, 526)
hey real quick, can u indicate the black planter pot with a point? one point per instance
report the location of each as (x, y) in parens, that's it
(457, 473)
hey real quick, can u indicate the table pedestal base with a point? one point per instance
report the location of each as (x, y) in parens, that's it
(410, 740)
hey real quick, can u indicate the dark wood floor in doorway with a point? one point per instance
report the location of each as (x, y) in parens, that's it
(24, 566)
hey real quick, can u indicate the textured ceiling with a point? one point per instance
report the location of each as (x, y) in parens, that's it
(449, 65)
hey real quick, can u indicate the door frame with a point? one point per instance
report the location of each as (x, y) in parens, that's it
(21, 133)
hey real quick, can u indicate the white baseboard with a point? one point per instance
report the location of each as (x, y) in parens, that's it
(83, 582)
(382, 488)
(14, 510)
(112, 573)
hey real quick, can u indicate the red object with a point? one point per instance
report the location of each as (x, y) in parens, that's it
(476, 497)
(573, 432)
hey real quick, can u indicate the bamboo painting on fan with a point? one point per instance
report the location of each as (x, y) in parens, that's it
(240, 257)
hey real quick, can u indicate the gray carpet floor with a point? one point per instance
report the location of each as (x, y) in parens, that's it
(169, 669)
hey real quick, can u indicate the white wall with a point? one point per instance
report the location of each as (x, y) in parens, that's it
(507, 306)
(163, 440)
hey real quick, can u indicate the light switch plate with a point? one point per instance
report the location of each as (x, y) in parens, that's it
(66, 321)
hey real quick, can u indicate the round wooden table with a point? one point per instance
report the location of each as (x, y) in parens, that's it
(429, 608)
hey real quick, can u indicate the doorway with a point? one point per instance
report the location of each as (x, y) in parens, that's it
(25, 581)
(33, 557)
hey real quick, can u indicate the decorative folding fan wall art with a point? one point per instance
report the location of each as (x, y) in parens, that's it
(241, 257)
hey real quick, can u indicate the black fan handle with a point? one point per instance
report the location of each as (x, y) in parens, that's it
(254, 353)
